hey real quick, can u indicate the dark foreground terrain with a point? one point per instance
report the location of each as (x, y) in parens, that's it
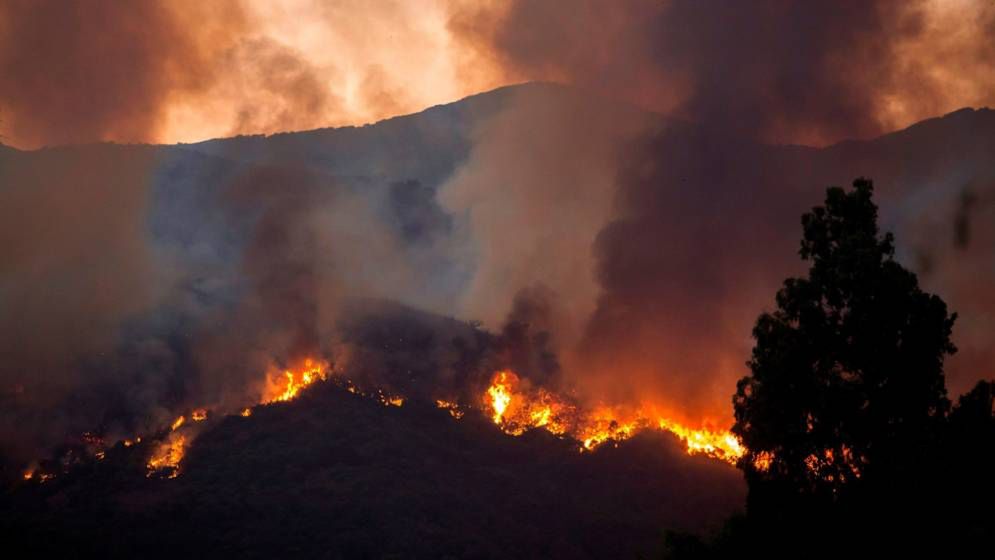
(334, 474)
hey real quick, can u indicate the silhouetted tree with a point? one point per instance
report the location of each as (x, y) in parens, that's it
(846, 392)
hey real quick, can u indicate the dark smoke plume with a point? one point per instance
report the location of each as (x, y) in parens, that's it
(804, 72)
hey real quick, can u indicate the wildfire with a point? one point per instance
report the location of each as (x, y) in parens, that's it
(515, 414)
(721, 444)
(451, 407)
(281, 388)
(763, 461)
(511, 403)
(517, 409)
(168, 456)
(383, 398)
(292, 382)
(499, 394)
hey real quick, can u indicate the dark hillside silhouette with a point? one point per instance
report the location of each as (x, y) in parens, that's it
(334, 474)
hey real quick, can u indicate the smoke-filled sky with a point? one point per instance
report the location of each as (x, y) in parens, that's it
(622, 233)
(180, 71)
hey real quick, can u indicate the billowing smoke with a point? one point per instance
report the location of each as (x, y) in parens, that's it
(149, 71)
(141, 281)
(702, 225)
(82, 71)
(536, 188)
(803, 72)
(602, 247)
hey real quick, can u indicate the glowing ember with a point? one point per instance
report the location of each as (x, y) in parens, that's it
(199, 415)
(177, 423)
(246, 412)
(390, 401)
(763, 461)
(451, 407)
(516, 410)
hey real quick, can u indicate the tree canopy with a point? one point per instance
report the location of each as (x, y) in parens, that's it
(846, 381)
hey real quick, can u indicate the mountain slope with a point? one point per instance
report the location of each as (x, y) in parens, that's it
(338, 475)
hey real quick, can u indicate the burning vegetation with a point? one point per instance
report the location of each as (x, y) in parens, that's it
(282, 388)
(515, 408)
(509, 402)
(165, 460)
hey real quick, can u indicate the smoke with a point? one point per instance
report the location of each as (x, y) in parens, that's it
(83, 71)
(272, 87)
(75, 266)
(802, 72)
(149, 71)
(125, 304)
(686, 233)
(618, 250)
(536, 188)
(954, 240)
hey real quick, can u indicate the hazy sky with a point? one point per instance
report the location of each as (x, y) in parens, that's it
(183, 70)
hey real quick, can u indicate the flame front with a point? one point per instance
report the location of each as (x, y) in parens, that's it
(282, 387)
(511, 403)
(289, 385)
(167, 456)
(516, 409)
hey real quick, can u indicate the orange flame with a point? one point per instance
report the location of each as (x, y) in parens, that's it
(289, 385)
(517, 410)
(499, 394)
(168, 456)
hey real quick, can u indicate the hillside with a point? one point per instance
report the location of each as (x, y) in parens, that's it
(339, 475)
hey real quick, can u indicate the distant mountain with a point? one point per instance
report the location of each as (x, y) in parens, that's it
(425, 146)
